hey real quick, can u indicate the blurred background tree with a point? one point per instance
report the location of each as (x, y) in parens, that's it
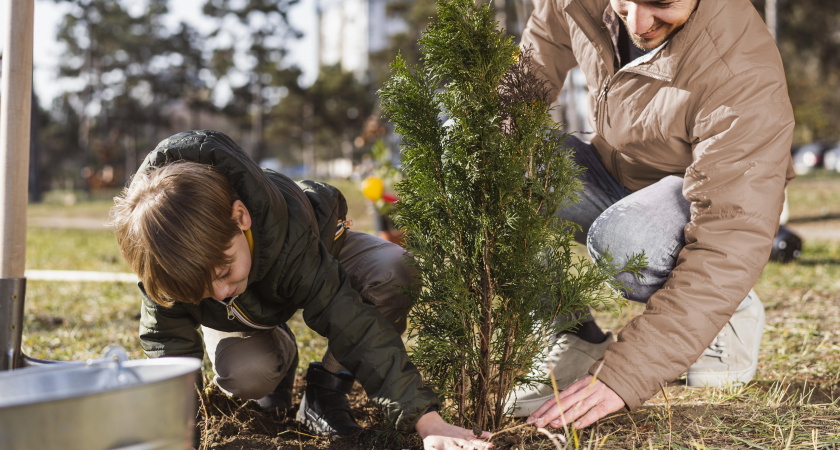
(132, 73)
(808, 35)
(322, 121)
(266, 32)
(417, 14)
(126, 67)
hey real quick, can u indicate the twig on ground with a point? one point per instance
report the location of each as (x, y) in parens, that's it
(554, 437)
(301, 434)
(668, 407)
(203, 444)
(557, 399)
(508, 430)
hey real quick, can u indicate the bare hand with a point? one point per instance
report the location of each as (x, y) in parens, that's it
(439, 435)
(584, 402)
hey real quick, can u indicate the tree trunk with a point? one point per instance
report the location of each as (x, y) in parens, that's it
(257, 142)
(482, 392)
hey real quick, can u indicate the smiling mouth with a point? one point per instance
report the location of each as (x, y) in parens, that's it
(651, 33)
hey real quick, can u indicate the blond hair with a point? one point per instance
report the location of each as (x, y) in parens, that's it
(173, 226)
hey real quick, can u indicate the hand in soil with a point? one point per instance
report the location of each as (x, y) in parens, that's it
(584, 402)
(439, 435)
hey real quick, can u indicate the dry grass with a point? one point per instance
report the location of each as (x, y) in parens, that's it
(792, 403)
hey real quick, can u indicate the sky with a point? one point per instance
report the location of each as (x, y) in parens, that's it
(46, 50)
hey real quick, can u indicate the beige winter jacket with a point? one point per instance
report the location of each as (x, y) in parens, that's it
(711, 106)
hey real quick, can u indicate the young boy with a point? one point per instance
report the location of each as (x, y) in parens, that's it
(220, 244)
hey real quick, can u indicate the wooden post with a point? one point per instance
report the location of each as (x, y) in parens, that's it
(15, 116)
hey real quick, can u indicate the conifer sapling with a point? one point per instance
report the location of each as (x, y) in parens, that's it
(485, 172)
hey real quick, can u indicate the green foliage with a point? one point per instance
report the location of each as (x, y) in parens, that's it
(324, 118)
(264, 31)
(810, 48)
(417, 15)
(478, 205)
(125, 66)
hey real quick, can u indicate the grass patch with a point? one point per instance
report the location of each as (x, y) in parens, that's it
(76, 321)
(818, 269)
(73, 249)
(792, 403)
(814, 196)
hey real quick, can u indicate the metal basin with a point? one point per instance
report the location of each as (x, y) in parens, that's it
(104, 404)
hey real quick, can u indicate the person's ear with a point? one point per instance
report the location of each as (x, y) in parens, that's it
(240, 214)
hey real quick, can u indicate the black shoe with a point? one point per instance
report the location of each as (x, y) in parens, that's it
(281, 397)
(324, 408)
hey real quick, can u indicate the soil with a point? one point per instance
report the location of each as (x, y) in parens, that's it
(225, 423)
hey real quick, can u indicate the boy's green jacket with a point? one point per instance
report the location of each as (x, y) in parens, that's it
(297, 233)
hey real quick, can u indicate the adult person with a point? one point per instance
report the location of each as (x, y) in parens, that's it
(688, 164)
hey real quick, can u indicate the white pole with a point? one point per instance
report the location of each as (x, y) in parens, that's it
(15, 116)
(771, 10)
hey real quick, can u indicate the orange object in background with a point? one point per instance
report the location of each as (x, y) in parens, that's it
(372, 188)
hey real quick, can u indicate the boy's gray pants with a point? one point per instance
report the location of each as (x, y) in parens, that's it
(613, 219)
(251, 364)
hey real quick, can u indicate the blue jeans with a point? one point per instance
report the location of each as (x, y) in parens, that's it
(625, 223)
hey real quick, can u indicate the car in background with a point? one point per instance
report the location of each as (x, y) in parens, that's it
(831, 158)
(808, 157)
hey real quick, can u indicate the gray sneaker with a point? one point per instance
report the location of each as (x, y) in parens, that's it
(732, 357)
(570, 358)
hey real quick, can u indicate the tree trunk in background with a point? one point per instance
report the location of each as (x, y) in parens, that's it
(257, 150)
(35, 189)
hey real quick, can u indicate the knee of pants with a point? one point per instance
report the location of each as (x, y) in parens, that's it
(624, 234)
(248, 368)
(390, 287)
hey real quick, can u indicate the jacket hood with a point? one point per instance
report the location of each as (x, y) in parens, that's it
(263, 200)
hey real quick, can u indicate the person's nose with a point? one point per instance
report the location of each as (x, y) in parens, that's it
(222, 292)
(639, 19)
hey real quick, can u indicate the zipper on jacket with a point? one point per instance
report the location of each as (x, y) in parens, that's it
(234, 313)
(602, 106)
(636, 67)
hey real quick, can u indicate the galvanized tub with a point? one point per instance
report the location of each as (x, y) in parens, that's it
(101, 404)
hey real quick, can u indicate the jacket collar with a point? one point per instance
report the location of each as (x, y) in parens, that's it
(587, 14)
(664, 64)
